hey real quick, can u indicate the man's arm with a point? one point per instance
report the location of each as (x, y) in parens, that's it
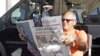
(83, 41)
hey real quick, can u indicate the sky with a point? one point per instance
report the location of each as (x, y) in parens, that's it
(4, 6)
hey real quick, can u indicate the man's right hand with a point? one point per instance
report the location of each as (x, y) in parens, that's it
(67, 39)
(22, 37)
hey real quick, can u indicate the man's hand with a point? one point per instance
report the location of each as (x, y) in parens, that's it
(22, 37)
(68, 39)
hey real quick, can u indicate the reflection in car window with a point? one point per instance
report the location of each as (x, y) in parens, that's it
(92, 20)
(18, 14)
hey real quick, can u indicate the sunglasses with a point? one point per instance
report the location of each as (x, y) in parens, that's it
(67, 20)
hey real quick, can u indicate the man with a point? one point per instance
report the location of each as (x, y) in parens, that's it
(76, 39)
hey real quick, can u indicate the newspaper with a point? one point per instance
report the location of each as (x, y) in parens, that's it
(46, 37)
(47, 34)
(25, 28)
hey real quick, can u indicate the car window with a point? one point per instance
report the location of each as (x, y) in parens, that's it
(18, 14)
(92, 20)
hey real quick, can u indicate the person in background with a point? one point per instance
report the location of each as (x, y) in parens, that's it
(76, 39)
(47, 10)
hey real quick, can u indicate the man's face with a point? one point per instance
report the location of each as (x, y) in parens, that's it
(68, 22)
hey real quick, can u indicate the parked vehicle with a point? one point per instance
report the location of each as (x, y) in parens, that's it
(9, 38)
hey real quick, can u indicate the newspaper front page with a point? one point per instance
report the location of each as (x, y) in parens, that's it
(46, 37)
